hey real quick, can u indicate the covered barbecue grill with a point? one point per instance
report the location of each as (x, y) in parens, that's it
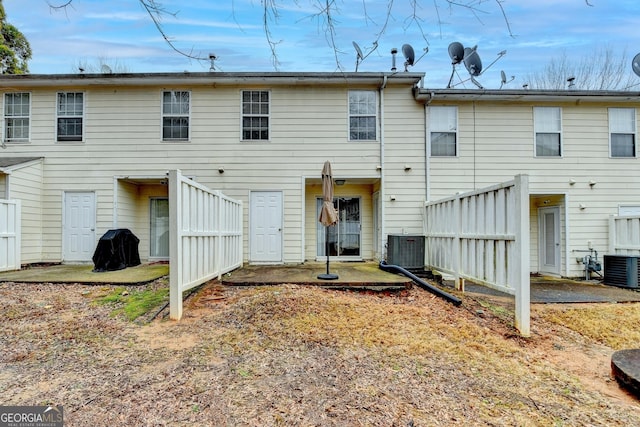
(117, 249)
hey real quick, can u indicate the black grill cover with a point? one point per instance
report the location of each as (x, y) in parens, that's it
(117, 249)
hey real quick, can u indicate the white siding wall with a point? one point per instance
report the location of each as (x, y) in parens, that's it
(26, 186)
(496, 142)
(309, 124)
(404, 145)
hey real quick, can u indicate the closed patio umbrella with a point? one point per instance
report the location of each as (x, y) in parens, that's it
(328, 214)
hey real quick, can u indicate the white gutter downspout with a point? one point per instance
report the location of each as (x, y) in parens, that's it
(383, 199)
(427, 150)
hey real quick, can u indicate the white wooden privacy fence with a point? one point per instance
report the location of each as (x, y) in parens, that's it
(205, 236)
(10, 219)
(483, 236)
(624, 235)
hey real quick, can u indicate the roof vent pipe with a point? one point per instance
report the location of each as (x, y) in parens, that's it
(394, 51)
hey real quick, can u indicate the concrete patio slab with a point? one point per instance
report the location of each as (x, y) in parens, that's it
(68, 273)
(363, 275)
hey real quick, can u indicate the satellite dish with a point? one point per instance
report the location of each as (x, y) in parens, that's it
(635, 64)
(472, 61)
(503, 77)
(105, 69)
(456, 52)
(409, 55)
(358, 51)
(359, 55)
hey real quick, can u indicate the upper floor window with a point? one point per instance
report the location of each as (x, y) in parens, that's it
(622, 132)
(70, 116)
(17, 108)
(175, 115)
(443, 135)
(548, 129)
(255, 115)
(362, 115)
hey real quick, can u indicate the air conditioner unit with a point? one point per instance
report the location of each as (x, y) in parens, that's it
(405, 251)
(621, 270)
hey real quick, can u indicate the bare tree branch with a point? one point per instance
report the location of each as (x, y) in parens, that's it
(270, 12)
(600, 70)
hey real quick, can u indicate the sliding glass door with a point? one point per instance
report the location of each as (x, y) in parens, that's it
(159, 214)
(344, 237)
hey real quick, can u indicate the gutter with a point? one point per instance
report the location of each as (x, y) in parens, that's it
(527, 95)
(382, 198)
(427, 150)
(207, 78)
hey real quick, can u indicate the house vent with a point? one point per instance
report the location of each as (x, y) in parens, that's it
(405, 251)
(621, 270)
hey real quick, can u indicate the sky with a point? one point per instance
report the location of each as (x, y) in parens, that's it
(121, 34)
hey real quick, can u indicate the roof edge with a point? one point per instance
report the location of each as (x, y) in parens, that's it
(204, 78)
(525, 95)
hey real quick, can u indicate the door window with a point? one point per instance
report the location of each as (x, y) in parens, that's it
(159, 247)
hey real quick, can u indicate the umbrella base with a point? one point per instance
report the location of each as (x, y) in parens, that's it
(327, 276)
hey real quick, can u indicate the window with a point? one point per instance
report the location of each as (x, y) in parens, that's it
(622, 129)
(443, 122)
(629, 210)
(362, 115)
(255, 115)
(548, 128)
(175, 115)
(70, 116)
(16, 117)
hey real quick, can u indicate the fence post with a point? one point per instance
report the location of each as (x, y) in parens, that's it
(175, 252)
(522, 285)
(613, 234)
(456, 250)
(220, 206)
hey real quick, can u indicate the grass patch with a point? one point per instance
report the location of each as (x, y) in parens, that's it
(134, 303)
(615, 325)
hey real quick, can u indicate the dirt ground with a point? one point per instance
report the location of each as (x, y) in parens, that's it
(301, 356)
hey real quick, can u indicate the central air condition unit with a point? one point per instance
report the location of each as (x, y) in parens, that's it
(621, 270)
(405, 251)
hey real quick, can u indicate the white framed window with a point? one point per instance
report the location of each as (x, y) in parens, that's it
(443, 131)
(547, 122)
(176, 108)
(629, 210)
(255, 115)
(17, 112)
(363, 115)
(622, 132)
(70, 116)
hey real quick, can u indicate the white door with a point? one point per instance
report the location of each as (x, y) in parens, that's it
(549, 223)
(265, 238)
(79, 228)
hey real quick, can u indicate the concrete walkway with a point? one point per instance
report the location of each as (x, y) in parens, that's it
(550, 290)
